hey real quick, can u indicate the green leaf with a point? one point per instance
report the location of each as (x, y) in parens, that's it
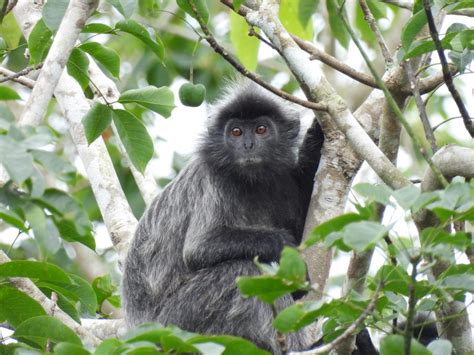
(16, 306)
(125, 7)
(306, 8)
(236, 4)
(10, 31)
(266, 288)
(77, 67)
(43, 328)
(96, 121)
(394, 278)
(39, 42)
(407, 196)
(332, 225)
(290, 18)
(34, 270)
(7, 93)
(53, 13)
(246, 47)
(459, 282)
(412, 28)
(233, 345)
(135, 138)
(53, 162)
(69, 349)
(69, 217)
(12, 218)
(108, 346)
(297, 316)
(15, 159)
(160, 100)
(97, 28)
(105, 56)
(391, 345)
(140, 32)
(104, 288)
(200, 5)
(84, 292)
(336, 24)
(363, 235)
(374, 192)
(292, 266)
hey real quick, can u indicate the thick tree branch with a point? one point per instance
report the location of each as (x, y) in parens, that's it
(116, 212)
(73, 21)
(28, 287)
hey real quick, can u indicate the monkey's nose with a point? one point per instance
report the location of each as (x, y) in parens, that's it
(248, 146)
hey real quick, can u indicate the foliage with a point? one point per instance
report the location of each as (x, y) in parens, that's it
(49, 204)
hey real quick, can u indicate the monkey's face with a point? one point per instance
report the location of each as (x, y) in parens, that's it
(251, 142)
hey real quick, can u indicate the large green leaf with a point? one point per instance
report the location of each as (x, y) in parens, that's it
(15, 159)
(306, 8)
(290, 18)
(39, 42)
(10, 31)
(96, 121)
(69, 349)
(292, 266)
(135, 138)
(265, 287)
(16, 306)
(333, 225)
(137, 30)
(77, 67)
(7, 93)
(412, 28)
(246, 47)
(53, 13)
(160, 100)
(336, 23)
(105, 56)
(34, 270)
(42, 329)
(297, 316)
(363, 234)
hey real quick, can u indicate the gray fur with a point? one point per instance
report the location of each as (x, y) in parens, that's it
(206, 227)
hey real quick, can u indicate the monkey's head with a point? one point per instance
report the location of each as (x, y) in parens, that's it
(251, 134)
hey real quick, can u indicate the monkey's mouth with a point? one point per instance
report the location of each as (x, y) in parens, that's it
(249, 160)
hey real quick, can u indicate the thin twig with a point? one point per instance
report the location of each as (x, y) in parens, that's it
(13, 76)
(254, 33)
(445, 121)
(448, 78)
(370, 19)
(393, 105)
(353, 327)
(421, 107)
(411, 307)
(244, 71)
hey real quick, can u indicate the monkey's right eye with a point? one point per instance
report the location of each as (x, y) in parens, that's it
(236, 131)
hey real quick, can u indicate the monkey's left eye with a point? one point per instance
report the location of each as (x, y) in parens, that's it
(261, 130)
(236, 131)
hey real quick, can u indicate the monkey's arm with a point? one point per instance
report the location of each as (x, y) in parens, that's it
(232, 243)
(310, 151)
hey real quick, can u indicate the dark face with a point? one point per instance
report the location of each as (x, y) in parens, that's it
(250, 142)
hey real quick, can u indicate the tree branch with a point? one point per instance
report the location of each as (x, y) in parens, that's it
(369, 18)
(9, 75)
(72, 23)
(116, 212)
(448, 78)
(14, 76)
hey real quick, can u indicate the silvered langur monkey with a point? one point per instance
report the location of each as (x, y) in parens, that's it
(245, 194)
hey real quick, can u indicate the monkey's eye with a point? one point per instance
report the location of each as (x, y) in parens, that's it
(236, 131)
(261, 130)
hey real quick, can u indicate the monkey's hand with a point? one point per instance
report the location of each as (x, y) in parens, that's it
(233, 243)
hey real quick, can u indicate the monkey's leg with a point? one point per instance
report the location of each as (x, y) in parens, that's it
(210, 302)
